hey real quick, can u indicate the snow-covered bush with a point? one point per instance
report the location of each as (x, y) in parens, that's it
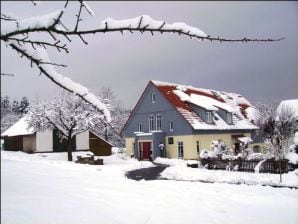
(205, 154)
(292, 155)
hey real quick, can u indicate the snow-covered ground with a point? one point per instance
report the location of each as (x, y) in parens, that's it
(44, 188)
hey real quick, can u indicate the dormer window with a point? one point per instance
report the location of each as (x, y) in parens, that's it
(153, 97)
(208, 117)
(229, 118)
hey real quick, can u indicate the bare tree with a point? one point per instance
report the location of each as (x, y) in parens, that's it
(18, 35)
(277, 126)
(119, 116)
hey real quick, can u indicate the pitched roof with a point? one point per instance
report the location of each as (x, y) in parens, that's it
(21, 127)
(181, 96)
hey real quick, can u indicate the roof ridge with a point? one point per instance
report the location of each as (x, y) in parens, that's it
(164, 83)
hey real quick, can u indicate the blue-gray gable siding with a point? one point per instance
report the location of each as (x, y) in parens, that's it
(168, 113)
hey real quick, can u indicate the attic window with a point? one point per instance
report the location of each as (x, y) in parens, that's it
(153, 97)
(229, 118)
(208, 117)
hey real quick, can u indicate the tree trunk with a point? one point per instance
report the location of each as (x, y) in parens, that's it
(280, 153)
(280, 176)
(106, 132)
(69, 149)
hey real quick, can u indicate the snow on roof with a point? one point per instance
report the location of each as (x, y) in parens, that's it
(293, 104)
(252, 113)
(181, 95)
(19, 128)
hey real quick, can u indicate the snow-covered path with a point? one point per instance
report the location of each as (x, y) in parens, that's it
(50, 191)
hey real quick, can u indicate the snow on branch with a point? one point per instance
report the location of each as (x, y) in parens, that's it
(142, 24)
(145, 23)
(21, 26)
(41, 59)
(88, 8)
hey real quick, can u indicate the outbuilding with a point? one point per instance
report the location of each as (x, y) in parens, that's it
(22, 137)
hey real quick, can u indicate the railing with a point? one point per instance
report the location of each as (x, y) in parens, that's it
(268, 166)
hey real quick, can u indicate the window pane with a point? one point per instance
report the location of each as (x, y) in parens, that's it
(153, 97)
(171, 126)
(151, 119)
(180, 150)
(170, 140)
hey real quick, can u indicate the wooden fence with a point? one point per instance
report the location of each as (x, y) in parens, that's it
(269, 166)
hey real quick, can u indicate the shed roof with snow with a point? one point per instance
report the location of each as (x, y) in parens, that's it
(21, 127)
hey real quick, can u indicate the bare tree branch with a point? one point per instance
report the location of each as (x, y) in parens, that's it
(7, 74)
(78, 16)
(40, 43)
(140, 29)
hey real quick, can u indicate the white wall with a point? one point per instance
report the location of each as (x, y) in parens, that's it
(44, 141)
(82, 140)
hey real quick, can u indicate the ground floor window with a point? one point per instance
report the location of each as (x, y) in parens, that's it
(180, 150)
(198, 147)
(170, 140)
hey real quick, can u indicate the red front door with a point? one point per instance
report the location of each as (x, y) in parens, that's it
(146, 150)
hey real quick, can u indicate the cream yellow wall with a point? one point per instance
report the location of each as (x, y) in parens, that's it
(188, 147)
(205, 140)
(129, 146)
(190, 143)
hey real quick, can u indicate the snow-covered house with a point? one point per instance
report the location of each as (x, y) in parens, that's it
(22, 137)
(179, 121)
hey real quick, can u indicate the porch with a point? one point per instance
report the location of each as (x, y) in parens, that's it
(149, 146)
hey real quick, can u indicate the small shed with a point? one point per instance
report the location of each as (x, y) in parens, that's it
(21, 137)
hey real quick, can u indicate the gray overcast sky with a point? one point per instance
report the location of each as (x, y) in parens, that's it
(259, 71)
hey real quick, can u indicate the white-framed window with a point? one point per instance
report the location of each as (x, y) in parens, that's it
(140, 127)
(229, 118)
(158, 122)
(180, 150)
(153, 97)
(208, 117)
(151, 123)
(171, 126)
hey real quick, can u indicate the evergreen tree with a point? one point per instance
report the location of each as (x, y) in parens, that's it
(24, 104)
(15, 107)
(5, 106)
